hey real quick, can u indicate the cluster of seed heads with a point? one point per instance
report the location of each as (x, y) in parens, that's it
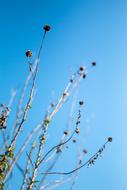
(4, 113)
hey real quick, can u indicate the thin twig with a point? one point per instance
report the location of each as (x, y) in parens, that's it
(72, 171)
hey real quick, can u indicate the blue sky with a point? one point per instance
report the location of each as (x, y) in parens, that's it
(82, 31)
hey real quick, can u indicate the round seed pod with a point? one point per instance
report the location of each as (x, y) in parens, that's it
(28, 53)
(81, 103)
(47, 28)
(77, 130)
(74, 140)
(84, 76)
(66, 132)
(93, 64)
(81, 68)
(109, 139)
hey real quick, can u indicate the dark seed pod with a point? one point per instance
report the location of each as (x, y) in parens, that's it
(47, 28)
(81, 68)
(77, 130)
(81, 103)
(74, 140)
(66, 132)
(84, 76)
(109, 139)
(52, 104)
(28, 53)
(85, 151)
(93, 64)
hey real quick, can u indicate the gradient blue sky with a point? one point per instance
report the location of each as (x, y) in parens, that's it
(82, 31)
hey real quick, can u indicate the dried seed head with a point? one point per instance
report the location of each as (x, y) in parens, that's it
(74, 140)
(43, 138)
(93, 64)
(47, 28)
(65, 94)
(77, 130)
(58, 150)
(28, 53)
(85, 151)
(1, 105)
(81, 103)
(81, 68)
(84, 76)
(52, 104)
(66, 132)
(109, 139)
(71, 80)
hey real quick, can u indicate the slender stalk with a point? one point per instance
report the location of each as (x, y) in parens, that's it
(78, 168)
(30, 96)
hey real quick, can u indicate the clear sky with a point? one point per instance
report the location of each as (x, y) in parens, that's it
(82, 31)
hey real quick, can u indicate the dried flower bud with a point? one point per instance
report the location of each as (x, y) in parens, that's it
(109, 139)
(28, 53)
(77, 130)
(43, 138)
(93, 64)
(84, 76)
(65, 94)
(74, 140)
(80, 161)
(81, 103)
(47, 28)
(58, 150)
(85, 151)
(52, 104)
(81, 68)
(66, 132)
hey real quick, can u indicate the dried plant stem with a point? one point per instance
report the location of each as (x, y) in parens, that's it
(39, 160)
(63, 140)
(21, 150)
(27, 169)
(60, 101)
(27, 107)
(56, 184)
(37, 163)
(57, 157)
(56, 146)
(78, 168)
